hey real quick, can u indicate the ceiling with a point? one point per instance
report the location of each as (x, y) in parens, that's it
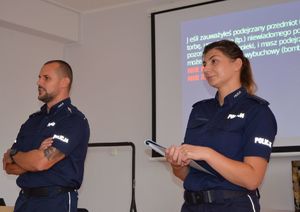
(84, 6)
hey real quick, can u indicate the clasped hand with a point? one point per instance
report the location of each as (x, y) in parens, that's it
(182, 155)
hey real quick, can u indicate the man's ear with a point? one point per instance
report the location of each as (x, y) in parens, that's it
(65, 82)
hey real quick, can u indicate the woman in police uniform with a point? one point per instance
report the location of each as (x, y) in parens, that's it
(230, 135)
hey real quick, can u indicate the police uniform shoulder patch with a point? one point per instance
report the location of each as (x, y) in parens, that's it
(258, 99)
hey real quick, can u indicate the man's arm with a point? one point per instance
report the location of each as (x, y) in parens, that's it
(15, 169)
(39, 159)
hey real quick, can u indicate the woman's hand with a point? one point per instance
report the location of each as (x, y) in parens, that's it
(191, 152)
(175, 156)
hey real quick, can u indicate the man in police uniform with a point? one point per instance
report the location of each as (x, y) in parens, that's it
(51, 147)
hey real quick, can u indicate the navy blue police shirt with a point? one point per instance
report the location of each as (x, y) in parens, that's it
(243, 126)
(70, 133)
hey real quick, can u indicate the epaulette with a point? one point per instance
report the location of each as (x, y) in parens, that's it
(69, 109)
(258, 99)
(202, 101)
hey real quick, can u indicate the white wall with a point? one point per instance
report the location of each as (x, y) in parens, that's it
(277, 188)
(41, 18)
(112, 86)
(25, 45)
(21, 57)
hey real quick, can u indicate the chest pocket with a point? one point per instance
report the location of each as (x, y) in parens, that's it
(230, 133)
(231, 125)
(197, 122)
(47, 132)
(33, 133)
(27, 137)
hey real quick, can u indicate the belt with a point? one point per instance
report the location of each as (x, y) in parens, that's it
(45, 191)
(213, 196)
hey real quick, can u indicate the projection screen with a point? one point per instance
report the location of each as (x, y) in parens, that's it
(268, 31)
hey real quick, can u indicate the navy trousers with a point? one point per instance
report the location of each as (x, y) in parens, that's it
(54, 202)
(246, 203)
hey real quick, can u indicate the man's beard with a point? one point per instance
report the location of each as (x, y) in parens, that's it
(46, 97)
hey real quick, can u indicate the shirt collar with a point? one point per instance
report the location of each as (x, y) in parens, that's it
(234, 96)
(56, 107)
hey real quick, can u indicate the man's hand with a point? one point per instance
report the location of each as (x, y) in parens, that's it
(12, 168)
(9, 166)
(51, 153)
(46, 144)
(6, 159)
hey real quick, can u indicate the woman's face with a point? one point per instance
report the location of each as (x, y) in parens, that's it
(220, 70)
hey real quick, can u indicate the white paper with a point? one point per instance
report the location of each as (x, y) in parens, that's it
(161, 150)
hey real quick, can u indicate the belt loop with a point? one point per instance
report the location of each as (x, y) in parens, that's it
(209, 196)
(194, 198)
